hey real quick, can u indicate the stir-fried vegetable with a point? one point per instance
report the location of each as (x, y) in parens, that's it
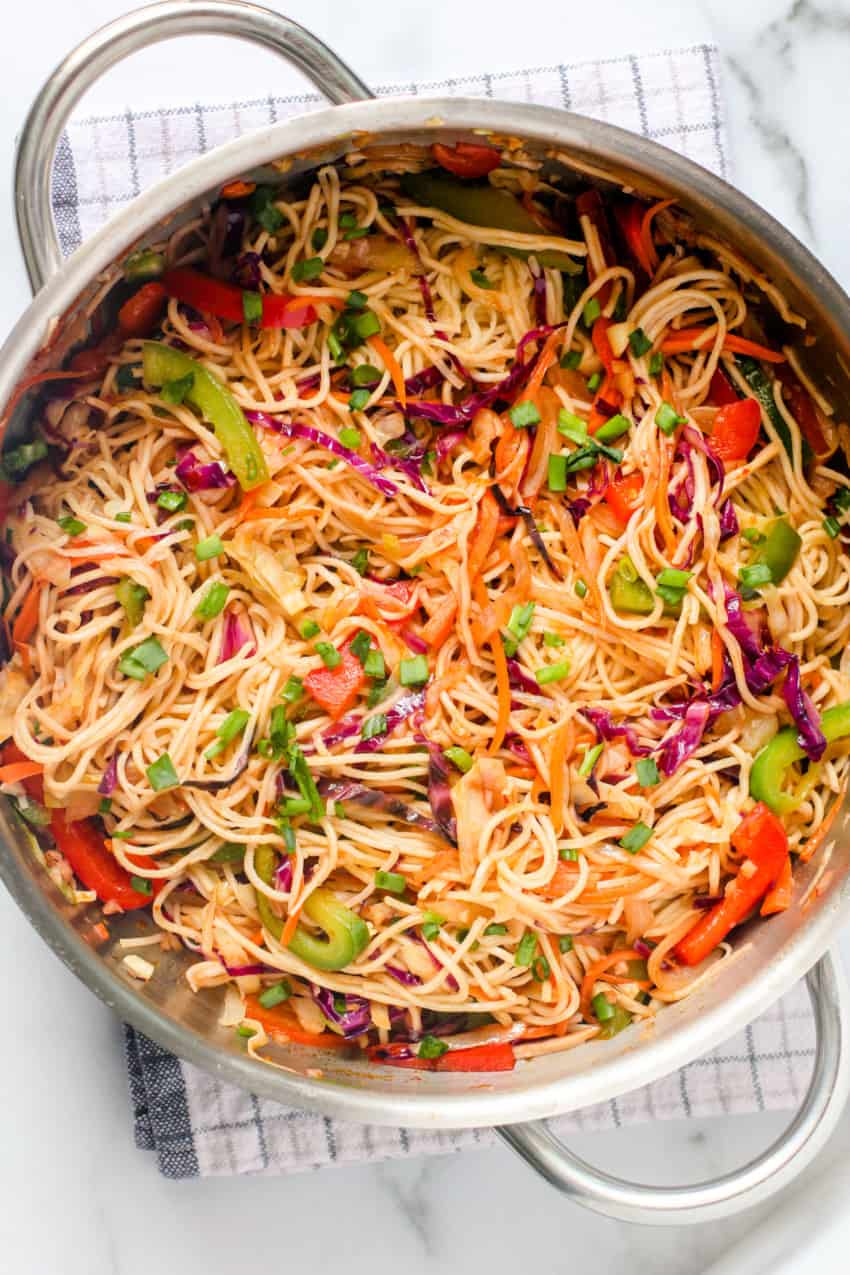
(347, 935)
(771, 765)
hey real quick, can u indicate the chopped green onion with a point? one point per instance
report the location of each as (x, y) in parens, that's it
(667, 418)
(414, 672)
(293, 806)
(71, 525)
(602, 1007)
(175, 391)
(459, 757)
(527, 949)
(213, 601)
(375, 666)
(571, 359)
(347, 221)
(161, 774)
(126, 378)
(841, 499)
(591, 757)
(140, 660)
(275, 994)
(832, 527)
(378, 692)
(365, 374)
(553, 639)
(104, 806)
(124, 517)
(540, 969)
(144, 264)
(568, 855)
(339, 810)
(753, 535)
(245, 1031)
(359, 232)
(479, 277)
(594, 381)
(360, 645)
(293, 690)
(309, 629)
(141, 884)
(373, 726)
(572, 427)
(673, 578)
(647, 773)
(524, 414)
(520, 620)
(556, 472)
(319, 238)
(755, 575)
(565, 943)
(330, 655)
(187, 524)
(581, 588)
(228, 852)
(334, 345)
(252, 307)
(591, 312)
(348, 435)
(392, 882)
(639, 342)
(356, 403)
(262, 206)
(366, 324)
(636, 838)
(656, 364)
(496, 930)
(360, 561)
(233, 725)
(173, 501)
(209, 548)
(431, 923)
(431, 1047)
(356, 300)
(132, 597)
(613, 428)
(552, 673)
(311, 268)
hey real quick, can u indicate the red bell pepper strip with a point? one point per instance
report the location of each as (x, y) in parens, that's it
(735, 429)
(760, 837)
(601, 344)
(496, 1057)
(622, 495)
(629, 217)
(802, 409)
(720, 390)
(465, 159)
(225, 300)
(336, 689)
(83, 847)
(139, 315)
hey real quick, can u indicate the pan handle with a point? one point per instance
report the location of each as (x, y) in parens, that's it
(773, 1169)
(50, 111)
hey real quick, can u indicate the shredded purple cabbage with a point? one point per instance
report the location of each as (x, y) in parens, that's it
(233, 637)
(197, 476)
(409, 465)
(699, 441)
(679, 747)
(414, 642)
(451, 981)
(109, 780)
(99, 583)
(375, 799)
(448, 440)
(282, 878)
(516, 744)
(728, 520)
(246, 270)
(428, 379)
(403, 976)
(606, 728)
(292, 430)
(353, 1019)
(439, 792)
(520, 680)
(239, 971)
(810, 737)
(400, 711)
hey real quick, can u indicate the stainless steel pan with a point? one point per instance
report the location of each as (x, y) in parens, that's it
(778, 953)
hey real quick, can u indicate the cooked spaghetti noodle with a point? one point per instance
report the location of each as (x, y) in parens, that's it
(422, 693)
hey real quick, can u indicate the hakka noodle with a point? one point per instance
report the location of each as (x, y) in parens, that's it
(428, 598)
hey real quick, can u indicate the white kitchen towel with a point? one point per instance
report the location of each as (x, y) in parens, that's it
(197, 1125)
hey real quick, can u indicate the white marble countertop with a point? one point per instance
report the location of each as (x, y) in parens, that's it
(78, 1198)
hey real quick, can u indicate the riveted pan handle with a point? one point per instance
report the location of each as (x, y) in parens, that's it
(50, 111)
(775, 1168)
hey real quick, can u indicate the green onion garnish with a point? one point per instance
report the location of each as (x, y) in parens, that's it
(309, 269)
(602, 1007)
(374, 665)
(571, 359)
(431, 923)
(667, 418)
(309, 629)
(594, 381)
(275, 994)
(356, 403)
(591, 312)
(572, 426)
(356, 300)
(832, 527)
(414, 672)
(132, 597)
(580, 588)
(613, 428)
(330, 655)
(360, 561)
(565, 943)
(124, 517)
(639, 342)
(141, 885)
(552, 673)
(365, 374)
(373, 726)
(591, 757)
(495, 930)
(293, 690)
(104, 806)
(348, 435)
(431, 1047)
(161, 774)
(347, 221)
(252, 307)
(228, 852)
(360, 645)
(753, 576)
(673, 578)
(293, 806)
(656, 364)
(366, 324)
(520, 621)
(143, 659)
(173, 501)
(556, 472)
(527, 949)
(71, 525)
(540, 968)
(568, 855)
(524, 414)
(647, 773)
(392, 882)
(636, 838)
(213, 601)
(479, 277)
(233, 725)
(319, 238)
(209, 548)
(459, 757)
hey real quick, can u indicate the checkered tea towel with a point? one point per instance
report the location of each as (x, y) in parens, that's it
(196, 1125)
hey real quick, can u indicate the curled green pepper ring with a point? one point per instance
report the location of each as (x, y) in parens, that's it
(768, 773)
(347, 934)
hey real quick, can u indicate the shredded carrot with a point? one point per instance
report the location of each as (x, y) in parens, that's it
(281, 1024)
(18, 770)
(390, 362)
(287, 934)
(483, 535)
(662, 502)
(684, 340)
(779, 898)
(26, 662)
(259, 515)
(717, 649)
(238, 190)
(823, 831)
(27, 618)
(563, 744)
(503, 685)
(563, 879)
(597, 969)
(646, 231)
(439, 627)
(545, 359)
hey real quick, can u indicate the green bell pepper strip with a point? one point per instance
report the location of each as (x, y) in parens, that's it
(779, 549)
(619, 1020)
(484, 206)
(161, 363)
(347, 933)
(630, 594)
(771, 763)
(758, 381)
